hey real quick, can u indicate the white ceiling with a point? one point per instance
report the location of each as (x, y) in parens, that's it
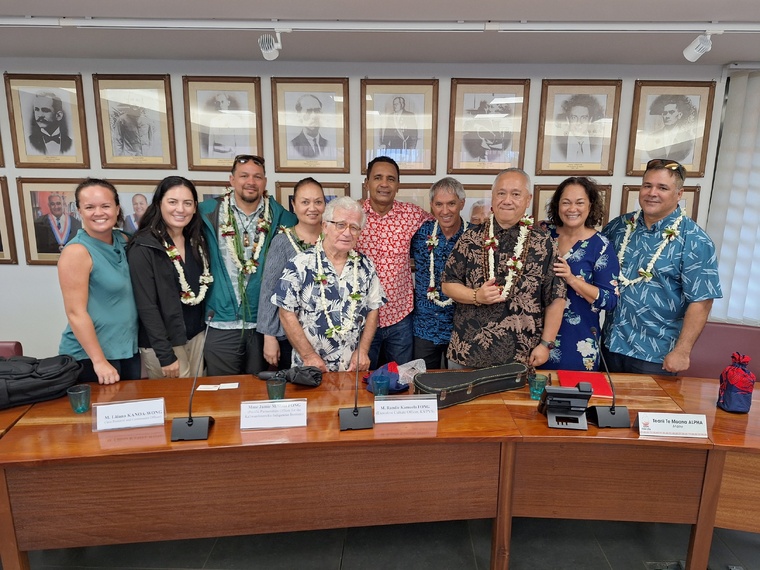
(657, 48)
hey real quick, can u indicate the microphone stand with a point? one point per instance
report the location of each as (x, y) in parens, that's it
(190, 428)
(607, 416)
(356, 417)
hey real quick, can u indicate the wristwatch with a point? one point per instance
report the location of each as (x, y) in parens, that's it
(547, 344)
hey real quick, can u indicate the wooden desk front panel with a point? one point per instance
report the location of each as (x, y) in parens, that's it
(608, 482)
(251, 490)
(739, 499)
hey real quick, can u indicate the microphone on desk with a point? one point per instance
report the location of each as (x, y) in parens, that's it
(607, 416)
(190, 428)
(356, 417)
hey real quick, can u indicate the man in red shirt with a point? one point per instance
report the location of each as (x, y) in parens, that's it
(386, 240)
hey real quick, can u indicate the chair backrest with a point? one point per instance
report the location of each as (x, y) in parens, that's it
(712, 351)
(10, 348)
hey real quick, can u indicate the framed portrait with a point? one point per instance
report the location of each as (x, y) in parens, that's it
(418, 194)
(7, 236)
(487, 121)
(284, 192)
(210, 189)
(135, 121)
(477, 205)
(47, 121)
(2, 160)
(578, 127)
(689, 200)
(542, 195)
(400, 120)
(310, 119)
(222, 120)
(134, 198)
(49, 217)
(670, 120)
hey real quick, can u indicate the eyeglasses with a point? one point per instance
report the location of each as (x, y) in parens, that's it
(676, 167)
(243, 158)
(341, 227)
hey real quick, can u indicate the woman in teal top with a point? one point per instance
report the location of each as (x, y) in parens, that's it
(97, 290)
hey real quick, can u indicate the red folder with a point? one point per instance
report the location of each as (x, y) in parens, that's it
(570, 378)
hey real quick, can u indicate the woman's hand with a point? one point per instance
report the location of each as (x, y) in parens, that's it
(172, 370)
(106, 373)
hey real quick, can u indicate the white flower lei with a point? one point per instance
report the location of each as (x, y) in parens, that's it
(432, 293)
(345, 325)
(645, 274)
(187, 296)
(245, 266)
(514, 264)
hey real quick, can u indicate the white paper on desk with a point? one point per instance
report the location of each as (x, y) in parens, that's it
(260, 414)
(129, 414)
(207, 388)
(653, 424)
(229, 386)
(406, 408)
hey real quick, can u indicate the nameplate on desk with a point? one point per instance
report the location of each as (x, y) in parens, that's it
(261, 414)
(129, 414)
(398, 409)
(672, 425)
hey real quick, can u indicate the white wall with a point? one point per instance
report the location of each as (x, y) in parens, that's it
(31, 309)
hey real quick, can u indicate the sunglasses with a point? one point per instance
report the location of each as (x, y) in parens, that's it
(676, 167)
(243, 158)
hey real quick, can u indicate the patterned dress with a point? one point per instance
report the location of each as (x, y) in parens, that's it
(298, 291)
(595, 260)
(488, 335)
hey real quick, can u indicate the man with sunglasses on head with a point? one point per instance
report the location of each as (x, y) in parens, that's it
(239, 227)
(668, 279)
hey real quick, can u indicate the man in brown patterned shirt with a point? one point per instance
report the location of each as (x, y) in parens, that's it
(509, 302)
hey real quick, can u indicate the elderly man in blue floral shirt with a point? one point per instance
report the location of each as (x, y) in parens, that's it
(329, 296)
(433, 316)
(668, 279)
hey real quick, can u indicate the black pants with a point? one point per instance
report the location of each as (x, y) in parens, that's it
(629, 365)
(235, 351)
(434, 355)
(128, 369)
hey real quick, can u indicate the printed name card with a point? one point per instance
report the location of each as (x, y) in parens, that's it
(398, 409)
(129, 414)
(260, 414)
(672, 425)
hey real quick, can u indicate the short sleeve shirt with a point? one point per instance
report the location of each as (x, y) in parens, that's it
(386, 241)
(649, 315)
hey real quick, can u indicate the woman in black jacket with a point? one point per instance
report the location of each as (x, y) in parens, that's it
(168, 263)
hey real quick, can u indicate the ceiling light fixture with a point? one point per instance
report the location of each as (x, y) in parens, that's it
(699, 47)
(270, 48)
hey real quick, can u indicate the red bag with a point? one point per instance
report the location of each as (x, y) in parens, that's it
(736, 385)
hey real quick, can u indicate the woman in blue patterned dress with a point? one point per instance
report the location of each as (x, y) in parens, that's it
(590, 267)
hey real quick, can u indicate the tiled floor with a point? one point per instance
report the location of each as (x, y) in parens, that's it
(458, 545)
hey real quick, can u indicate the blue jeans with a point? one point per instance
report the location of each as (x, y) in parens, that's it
(397, 340)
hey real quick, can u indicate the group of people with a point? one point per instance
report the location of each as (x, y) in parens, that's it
(331, 286)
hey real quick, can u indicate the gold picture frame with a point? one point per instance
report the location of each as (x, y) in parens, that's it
(8, 254)
(47, 121)
(210, 189)
(399, 119)
(487, 120)
(542, 194)
(578, 126)
(310, 121)
(689, 201)
(222, 120)
(284, 192)
(135, 121)
(670, 120)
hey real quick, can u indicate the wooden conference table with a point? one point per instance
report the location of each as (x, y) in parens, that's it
(63, 485)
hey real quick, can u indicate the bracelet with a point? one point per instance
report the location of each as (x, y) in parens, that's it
(475, 297)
